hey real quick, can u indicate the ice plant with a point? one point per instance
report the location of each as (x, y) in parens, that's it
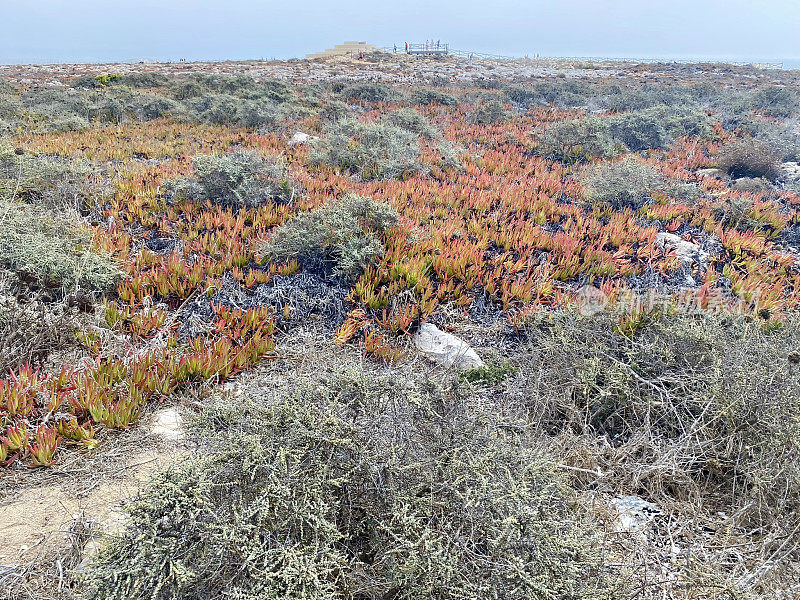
(44, 449)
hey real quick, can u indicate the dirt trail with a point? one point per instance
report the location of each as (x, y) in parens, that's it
(35, 519)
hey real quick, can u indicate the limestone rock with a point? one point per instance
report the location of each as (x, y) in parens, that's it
(688, 253)
(791, 171)
(718, 173)
(444, 348)
(167, 424)
(301, 138)
(634, 513)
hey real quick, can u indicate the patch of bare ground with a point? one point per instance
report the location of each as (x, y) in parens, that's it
(51, 519)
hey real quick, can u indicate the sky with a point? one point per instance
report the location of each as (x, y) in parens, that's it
(36, 31)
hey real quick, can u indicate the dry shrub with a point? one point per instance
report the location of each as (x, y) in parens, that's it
(736, 212)
(703, 409)
(748, 157)
(657, 127)
(410, 120)
(576, 140)
(368, 92)
(49, 181)
(356, 487)
(30, 328)
(490, 112)
(50, 250)
(427, 97)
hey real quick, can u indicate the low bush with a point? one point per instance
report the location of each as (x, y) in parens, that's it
(489, 112)
(523, 96)
(747, 157)
(566, 94)
(341, 238)
(239, 179)
(656, 127)
(143, 80)
(428, 97)
(225, 109)
(335, 110)
(411, 120)
(775, 101)
(689, 404)
(735, 212)
(576, 140)
(146, 107)
(631, 184)
(6, 87)
(373, 150)
(357, 487)
(51, 182)
(368, 92)
(782, 137)
(50, 250)
(750, 185)
(29, 327)
(638, 131)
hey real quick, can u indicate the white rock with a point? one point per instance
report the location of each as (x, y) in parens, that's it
(167, 424)
(791, 171)
(718, 173)
(444, 348)
(301, 138)
(687, 252)
(634, 513)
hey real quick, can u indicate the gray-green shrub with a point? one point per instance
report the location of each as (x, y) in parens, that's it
(631, 184)
(341, 238)
(411, 120)
(489, 112)
(52, 250)
(359, 487)
(428, 97)
(748, 157)
(240, 179)
(576, 140)
(368, 92)
(373, 150)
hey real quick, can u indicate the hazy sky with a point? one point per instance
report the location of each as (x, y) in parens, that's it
(106, 30)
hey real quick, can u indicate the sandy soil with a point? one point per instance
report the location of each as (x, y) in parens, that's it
(38, 520)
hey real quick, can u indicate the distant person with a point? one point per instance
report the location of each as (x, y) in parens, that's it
(360, 55)
(395, 48)
(406, 47)
(437, 44)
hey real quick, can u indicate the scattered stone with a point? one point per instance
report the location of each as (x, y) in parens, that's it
(687, 252)
(444, 348)
(634, 513)
(301, 138)
(718, 173)
(167, 424)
